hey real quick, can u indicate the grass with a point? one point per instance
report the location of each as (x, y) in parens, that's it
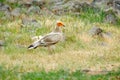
(78, 52)
(2, 0)
(13, 74)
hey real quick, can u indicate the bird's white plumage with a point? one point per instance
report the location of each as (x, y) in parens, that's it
(49, 39)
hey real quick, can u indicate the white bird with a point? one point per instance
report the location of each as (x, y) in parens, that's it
(49, 39)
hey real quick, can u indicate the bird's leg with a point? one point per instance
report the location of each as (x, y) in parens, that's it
(49, 49)
(52, 48)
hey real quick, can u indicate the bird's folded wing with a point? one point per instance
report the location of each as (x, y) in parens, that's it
(51, 38)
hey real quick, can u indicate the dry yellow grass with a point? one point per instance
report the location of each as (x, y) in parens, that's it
(72, 60)
(79, 51)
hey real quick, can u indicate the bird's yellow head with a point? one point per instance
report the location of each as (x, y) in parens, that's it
(60, 24)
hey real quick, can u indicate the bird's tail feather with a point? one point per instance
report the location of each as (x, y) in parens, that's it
(31, 47)
(34, 45)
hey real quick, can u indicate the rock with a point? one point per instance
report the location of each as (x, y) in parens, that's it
(108, 4)
(25, 3)
(69, 6)
(30, 22)
(2, 43)
(7, 15)
(1, 4)
(103, 4)
(16, 12)
(107, 38)
(85, 70)
(4, 7)
(117, 4)
(26, 21)
(95, 31)
(78, 6)
(110, 18)
(12, 1)
(55, 1)
(117, 7)
(93, 72)
(107, 35)
(75, 6)
(35, 23)
(46, 12)
(103, 44)
(28, 3)
(40, 3)
(33, 9)
(57, 7)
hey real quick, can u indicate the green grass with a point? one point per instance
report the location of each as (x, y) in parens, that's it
(13, 74)
(2, 0)
(79, 50)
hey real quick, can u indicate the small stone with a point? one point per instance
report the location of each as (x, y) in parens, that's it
(16, 12)
(95, 31)
(7, 14)
(106, 5)
(86, 70)
(1, 4)
(34, 9)
(35, 23)
(12, 1)
(25, 21)
(40, 3)
(2, 43)
(117, 4)
(62, 7)
(46, 12)
(117, 7)
(30, 22)
(107, 36)
(110, 18)
(103, 44)
(102, 4)
(25, 3)
(4, 7)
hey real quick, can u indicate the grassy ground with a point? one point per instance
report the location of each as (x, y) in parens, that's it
(78, 52)
(14, 74)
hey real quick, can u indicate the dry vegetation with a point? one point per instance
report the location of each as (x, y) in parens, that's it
(79, 51)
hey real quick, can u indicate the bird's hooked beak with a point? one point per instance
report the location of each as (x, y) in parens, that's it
(63, 25)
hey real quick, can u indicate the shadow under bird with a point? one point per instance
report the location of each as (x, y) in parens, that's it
(49, 39)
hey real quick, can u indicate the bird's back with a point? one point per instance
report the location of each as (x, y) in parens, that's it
(50, 39)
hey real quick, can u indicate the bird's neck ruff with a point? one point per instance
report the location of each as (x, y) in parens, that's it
(57, 29)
